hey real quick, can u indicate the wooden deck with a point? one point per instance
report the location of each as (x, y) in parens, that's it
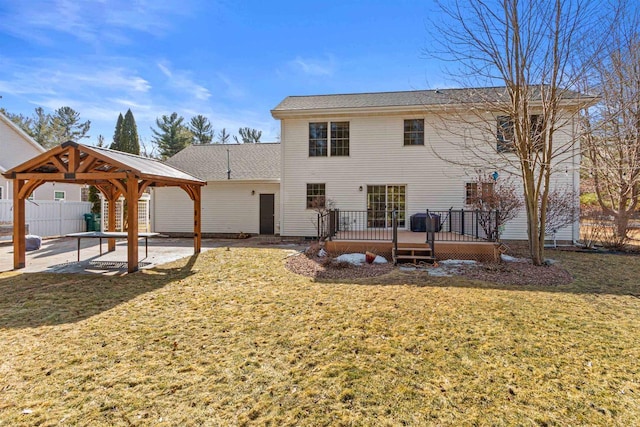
(445, 246)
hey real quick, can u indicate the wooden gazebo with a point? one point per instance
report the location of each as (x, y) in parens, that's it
(114, 173)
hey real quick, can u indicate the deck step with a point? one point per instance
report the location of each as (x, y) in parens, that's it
(413, 254)
(427, 257)
(424, 248)
(413, 251)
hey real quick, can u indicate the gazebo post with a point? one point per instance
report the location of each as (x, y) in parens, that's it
(111, 219)
(19, 227)
(197, 216)
(132, 223)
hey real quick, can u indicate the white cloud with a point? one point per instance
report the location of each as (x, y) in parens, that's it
(165, 70)
(91, 21)
(182, 81)
(50, 77)
(232, 89)
(314, 67)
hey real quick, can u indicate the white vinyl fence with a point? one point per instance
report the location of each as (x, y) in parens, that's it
(47, 218)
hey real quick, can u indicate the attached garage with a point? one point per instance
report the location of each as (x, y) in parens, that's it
(242, 193)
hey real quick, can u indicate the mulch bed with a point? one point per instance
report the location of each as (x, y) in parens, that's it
(506, 273)
(323, 268)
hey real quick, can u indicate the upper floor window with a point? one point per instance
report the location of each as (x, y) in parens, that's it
(58, 195)
(505, 133)
(414, 132)
(320, 139)
(317, 139)
(315, 196)
(340, 138)
(537, 131)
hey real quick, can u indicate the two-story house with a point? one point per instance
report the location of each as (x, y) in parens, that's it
(373, 155)
(404, 151)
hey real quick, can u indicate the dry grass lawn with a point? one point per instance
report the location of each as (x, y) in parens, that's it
(233, 338)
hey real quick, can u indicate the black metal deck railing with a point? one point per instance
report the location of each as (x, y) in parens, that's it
(355, 225)
(438, 225)
(465, 225)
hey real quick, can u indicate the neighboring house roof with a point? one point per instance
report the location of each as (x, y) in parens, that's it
(246, 161)
(22, 133)
(418, 98)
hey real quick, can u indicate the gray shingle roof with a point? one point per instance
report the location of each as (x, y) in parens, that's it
(401, 99)
(248, 161)
(145, 165)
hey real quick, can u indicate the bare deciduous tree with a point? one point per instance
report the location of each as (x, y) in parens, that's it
(322, 206)
(562, 209)
(497, 201)
(527, 49)
(612, 129)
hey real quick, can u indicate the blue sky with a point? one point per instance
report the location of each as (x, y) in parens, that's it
(232, 61)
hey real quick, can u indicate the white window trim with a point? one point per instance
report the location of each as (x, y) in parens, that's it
(64, 195)
(328, 123)
(424, 136)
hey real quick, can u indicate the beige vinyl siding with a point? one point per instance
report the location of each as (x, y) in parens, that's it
(378, 156)
(227, 207)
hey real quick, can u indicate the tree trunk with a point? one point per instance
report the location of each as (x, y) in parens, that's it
(536, 243)
(621, 227)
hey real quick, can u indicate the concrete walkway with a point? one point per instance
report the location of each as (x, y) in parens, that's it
(61, 255)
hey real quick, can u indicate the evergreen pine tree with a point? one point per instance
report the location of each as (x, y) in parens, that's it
(248, 136)
(129, 140)
(171, 136)
(67, 126)
(223, 136)
(201, 129)
(115, 145)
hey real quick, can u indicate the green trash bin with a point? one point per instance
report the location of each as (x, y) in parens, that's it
(90, 221)
(96, 222)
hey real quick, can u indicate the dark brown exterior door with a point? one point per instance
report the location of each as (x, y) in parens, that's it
(267, 213)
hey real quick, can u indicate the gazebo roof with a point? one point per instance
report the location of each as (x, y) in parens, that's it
(73, 162)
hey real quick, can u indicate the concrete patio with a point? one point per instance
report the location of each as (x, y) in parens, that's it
(60, 255)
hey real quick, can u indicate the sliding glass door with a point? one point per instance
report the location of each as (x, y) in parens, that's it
(382, 200)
